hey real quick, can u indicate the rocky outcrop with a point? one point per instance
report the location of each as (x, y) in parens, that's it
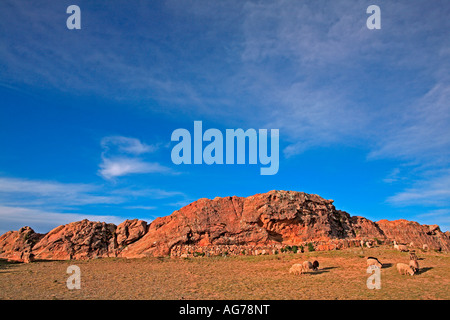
(366, 229)
(17, 245)
(130, 231)
(410, 232)
(265, 222)
(77, 240)
(275, 217)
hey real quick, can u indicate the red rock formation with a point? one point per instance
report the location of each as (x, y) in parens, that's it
(130, 231)
(274, 217)
(366, 229)
(263, 222)
(404, 231)
(17, 245)
(77, 240)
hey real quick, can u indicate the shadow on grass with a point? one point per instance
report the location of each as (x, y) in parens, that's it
(387, 265)
(322, 270)
(327, 268)
(5, 264)
(423, 270)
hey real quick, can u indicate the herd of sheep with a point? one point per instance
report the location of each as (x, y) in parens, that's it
(403, 268)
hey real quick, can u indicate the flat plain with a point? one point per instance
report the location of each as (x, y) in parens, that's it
(342, 275)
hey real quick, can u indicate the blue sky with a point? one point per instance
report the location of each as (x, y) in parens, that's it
(86, 115)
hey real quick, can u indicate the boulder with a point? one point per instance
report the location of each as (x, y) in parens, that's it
(130, 231)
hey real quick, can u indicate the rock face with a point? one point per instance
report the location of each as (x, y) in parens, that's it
(260, 224)
(17, 245)
(77, 240)
(404, 231)
(130, 231)
(275, 217)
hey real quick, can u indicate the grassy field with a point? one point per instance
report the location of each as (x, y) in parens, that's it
(342, 275)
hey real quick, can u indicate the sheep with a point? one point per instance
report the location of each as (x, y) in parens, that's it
(315, 265)
(374, 261)
(307, 265)
(400, 247)
(425, 247)
(368, 245)
(404, 269)
(361, 243)
(296, 268)
(414, 264)
(300, 268)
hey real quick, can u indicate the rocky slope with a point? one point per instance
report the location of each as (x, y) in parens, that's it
(268, 221)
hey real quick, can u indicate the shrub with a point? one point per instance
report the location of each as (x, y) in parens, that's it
(311, 247)
(294, 249)
(199, 254)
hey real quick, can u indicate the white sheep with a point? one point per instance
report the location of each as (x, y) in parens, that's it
(425, 247)
(296, 269)
(307, 266)
(368, 245)
(403, 268)
(400, 247)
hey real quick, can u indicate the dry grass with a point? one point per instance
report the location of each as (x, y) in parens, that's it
(342, 275)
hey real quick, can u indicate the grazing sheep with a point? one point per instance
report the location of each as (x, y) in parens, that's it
(299, 268)
(404, 269)
(296, 269)
(403, 248)
(368, 245)
(315, 265)
(414, 264)
(307, 266)
(372, 261)
(400, 247)
(425, 247)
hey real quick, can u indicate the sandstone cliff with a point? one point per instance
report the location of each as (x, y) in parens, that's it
(268, 220)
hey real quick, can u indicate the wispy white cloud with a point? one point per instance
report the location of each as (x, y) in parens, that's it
(119, 158)
(126, 145)
(36, 191)
(141, 207)
(433, 190)
(393, 176)
(420, 133)
(118, 167)
(150, 193)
